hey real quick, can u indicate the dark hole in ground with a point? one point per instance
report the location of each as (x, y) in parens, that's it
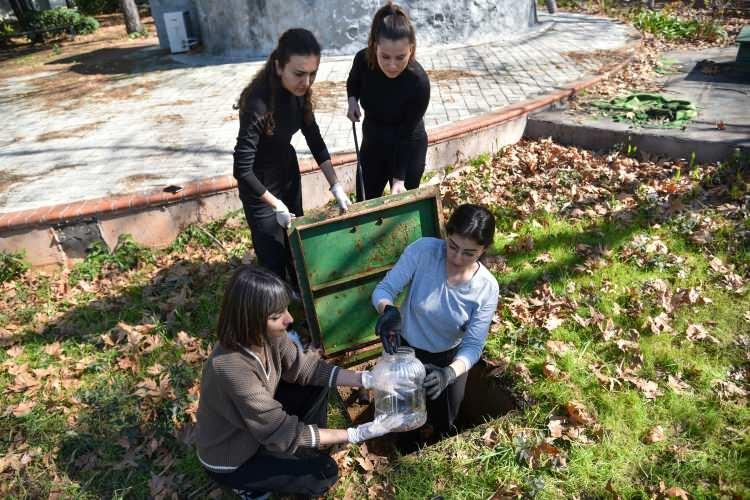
(486, 397)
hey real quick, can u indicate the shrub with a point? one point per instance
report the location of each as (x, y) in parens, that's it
(672, 28)
(126, 255)
(12, 265)
(62, 17)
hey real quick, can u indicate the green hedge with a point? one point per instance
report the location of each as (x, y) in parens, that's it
(62, 16)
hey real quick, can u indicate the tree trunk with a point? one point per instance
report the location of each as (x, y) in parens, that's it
(132, 18)
(551, 6)
(20, 8)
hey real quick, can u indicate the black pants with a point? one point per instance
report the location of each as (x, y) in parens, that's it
(306, 473)
(441, 412)
(269, 238)
(377, 158)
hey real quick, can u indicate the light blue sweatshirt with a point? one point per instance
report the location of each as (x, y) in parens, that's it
(436, 316)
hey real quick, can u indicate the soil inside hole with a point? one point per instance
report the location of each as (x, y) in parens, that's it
(486, 397)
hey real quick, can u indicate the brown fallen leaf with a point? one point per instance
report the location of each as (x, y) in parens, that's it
(678, 385)
(558, 347)
(543, 258)
(578, 414)
(696, 332)
(489, 437)
(553, 322)
(654, 435)
(507, 492)
(22, 409)
(14, 351)
(659, 324)
(676, 492)
(54, 349)
(550, 370)
(555, 428)
(522, 371)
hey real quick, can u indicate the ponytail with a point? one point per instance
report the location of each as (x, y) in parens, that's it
(391, 22)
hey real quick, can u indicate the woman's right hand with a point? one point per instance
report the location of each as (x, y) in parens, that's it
(381, 426)
(354, 113)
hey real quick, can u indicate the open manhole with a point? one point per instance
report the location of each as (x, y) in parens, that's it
(487, 397)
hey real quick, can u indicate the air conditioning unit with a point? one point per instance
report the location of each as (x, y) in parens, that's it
(179, 32)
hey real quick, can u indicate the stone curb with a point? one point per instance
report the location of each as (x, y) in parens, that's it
(68, 212)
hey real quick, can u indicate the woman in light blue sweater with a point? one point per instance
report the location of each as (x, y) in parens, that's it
(447, 311)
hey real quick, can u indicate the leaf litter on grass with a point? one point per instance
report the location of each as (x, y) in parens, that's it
(569, 333)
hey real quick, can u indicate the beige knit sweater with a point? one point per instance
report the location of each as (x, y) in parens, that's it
(237, 412)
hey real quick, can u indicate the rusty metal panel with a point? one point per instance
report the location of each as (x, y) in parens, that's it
(339, 259)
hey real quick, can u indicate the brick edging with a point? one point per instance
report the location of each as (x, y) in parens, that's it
(66, 212)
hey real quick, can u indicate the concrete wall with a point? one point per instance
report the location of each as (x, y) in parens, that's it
(5, 10)
(159, 7)
(250, 28)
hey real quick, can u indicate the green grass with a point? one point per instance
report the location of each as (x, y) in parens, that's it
(92, 434)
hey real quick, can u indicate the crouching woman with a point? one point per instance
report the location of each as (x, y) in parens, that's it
(263, 403)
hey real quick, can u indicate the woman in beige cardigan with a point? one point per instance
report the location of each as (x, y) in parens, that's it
(263, 403)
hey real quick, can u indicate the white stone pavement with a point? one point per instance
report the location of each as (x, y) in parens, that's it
(179, 125)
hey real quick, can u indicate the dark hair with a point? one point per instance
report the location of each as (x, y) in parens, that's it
(392, 22)
(474, 222)
(293, 42)
(252, 295)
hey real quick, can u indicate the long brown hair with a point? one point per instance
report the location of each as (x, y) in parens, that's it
(251, 297)
(391, 22)
(293, 42)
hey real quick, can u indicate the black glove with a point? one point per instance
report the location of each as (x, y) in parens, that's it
(437, 379)
(388, 327)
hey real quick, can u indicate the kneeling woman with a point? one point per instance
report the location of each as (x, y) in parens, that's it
(447, 311)
(264, 400)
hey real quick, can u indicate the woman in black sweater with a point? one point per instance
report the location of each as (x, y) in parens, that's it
(273, 107)
(394, 91)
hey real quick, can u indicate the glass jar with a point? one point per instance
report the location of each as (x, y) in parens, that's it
(406, 372)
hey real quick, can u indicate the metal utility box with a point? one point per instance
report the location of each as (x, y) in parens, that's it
(339, 259)
(179, 32)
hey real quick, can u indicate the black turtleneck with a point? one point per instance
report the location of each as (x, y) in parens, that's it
(394, 107)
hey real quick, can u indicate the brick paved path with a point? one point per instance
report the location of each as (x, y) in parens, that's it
(174, 122)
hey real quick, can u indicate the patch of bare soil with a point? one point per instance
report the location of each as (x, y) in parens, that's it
(84, 68)
(68, 133)
(20, 56)
(437, 75)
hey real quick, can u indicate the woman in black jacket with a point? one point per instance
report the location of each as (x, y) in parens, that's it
(394, 91)
(273, 107)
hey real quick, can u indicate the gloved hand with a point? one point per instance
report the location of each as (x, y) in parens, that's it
(379, 427)
(397, 186)
(283, 216)
(340, 195)
(391, 386)
(354, 113)
(437, 379)
(388, 327)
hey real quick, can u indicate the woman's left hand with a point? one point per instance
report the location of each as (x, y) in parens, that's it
(397, 186)
(437, 379)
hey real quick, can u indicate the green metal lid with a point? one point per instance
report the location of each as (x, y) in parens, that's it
(339, 259)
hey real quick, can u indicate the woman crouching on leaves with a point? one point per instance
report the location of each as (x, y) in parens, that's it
(263, 404)
(447, 311)
(273, 107)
